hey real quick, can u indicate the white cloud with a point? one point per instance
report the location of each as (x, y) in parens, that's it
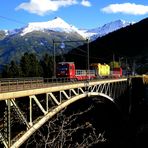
(86, 3)
(127, 8)
(41, 7)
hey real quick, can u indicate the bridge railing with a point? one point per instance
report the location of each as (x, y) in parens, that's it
(14, 84)
(18, 84)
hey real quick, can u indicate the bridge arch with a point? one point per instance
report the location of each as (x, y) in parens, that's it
(53, 112)
(102, 95)
(110, 99)
(49, 99)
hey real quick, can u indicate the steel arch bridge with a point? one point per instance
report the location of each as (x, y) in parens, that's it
(47, 100)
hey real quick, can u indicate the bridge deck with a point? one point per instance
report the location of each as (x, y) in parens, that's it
(50, 87)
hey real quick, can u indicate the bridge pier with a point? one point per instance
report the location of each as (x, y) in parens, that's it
(136, 92)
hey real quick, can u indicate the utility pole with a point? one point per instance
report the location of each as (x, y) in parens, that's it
(133, 69)
(88, 56)
(126, 67)
(54, 60)
(113, 61)
(63, 46)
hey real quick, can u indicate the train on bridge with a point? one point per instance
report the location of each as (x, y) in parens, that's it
(96, 70)
(65, 72)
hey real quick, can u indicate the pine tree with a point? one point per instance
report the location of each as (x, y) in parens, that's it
(14, 70)
(30, 66)
(47, 66)
(11, 71)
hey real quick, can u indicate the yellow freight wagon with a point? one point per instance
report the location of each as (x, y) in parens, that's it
(101, 70)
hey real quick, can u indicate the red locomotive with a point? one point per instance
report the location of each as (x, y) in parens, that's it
(67, 69)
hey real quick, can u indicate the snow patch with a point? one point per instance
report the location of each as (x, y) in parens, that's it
(57, 24)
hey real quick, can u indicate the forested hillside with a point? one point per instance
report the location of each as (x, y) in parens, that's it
(130, 42)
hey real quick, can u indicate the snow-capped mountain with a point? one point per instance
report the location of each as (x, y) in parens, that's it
(105, 29)
(59, 25)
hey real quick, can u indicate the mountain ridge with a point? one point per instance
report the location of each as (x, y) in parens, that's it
(38, 38)
(59, 25)
(109, 27)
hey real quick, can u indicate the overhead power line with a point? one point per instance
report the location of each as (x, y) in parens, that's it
(12, 20)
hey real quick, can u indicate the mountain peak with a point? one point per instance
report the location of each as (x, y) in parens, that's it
(57, 24)
(57, 18)
(120, 20)
(117, 24)
(107, 28)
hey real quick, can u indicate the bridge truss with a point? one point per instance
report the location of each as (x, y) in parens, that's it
(25, 111)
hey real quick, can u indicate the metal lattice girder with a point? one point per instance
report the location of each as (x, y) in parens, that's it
(45, 118)
(81, 91)
(20, 114)
(62, 95)
(38, 103)
(93, 88)
(72, 91)
(111, 89)
(54, 98)
(3, 140)
(65, 94)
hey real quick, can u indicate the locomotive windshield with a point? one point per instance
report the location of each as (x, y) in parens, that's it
(62, 67)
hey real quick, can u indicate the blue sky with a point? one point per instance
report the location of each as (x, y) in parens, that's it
(80, 13)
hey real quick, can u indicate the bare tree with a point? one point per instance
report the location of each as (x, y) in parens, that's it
(66, 131)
